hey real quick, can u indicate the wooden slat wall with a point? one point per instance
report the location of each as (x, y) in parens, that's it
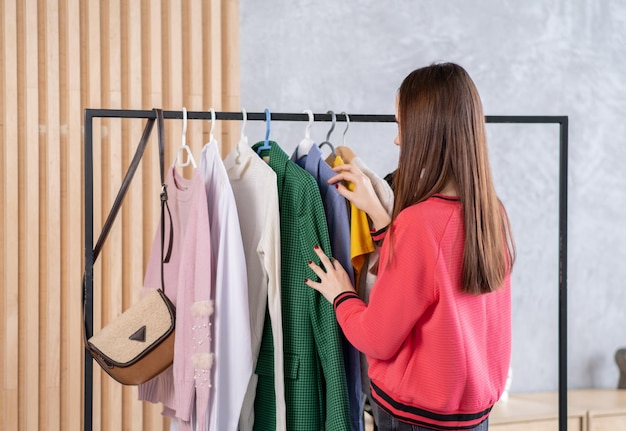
(90, 54)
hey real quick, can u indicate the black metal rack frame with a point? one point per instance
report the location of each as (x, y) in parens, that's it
(90, 114)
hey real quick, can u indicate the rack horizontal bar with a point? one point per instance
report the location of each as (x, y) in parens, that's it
(291, 116)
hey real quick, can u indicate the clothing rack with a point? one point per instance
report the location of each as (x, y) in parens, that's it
(90, 114)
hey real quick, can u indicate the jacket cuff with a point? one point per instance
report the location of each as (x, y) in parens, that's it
(379, 235)
(343, 297)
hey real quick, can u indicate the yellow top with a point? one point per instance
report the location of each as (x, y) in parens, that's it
(361, 243)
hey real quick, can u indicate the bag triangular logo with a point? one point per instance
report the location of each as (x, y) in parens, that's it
(139, 335)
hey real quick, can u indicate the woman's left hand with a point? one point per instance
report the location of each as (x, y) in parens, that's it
(333, 281)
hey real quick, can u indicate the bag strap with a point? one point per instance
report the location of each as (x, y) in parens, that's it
(164, 204)
(117, 204)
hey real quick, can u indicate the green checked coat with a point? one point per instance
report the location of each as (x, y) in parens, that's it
(316, 391)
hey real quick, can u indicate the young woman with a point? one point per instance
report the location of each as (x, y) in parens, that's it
(437, 328)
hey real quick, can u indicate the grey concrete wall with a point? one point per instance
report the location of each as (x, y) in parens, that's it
(540, 57)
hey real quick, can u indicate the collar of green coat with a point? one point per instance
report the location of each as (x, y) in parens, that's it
(277, 159)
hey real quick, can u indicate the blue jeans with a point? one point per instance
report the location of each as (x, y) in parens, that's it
(386, 422)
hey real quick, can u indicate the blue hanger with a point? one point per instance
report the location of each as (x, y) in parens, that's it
(266, 145)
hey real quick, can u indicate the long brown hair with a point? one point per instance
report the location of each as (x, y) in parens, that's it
(442, 138)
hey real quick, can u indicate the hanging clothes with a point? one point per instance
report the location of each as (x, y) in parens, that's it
(315, 380)
(254, 187)
(361, 240)
(233, 365)
(187, 279)
(336, 211)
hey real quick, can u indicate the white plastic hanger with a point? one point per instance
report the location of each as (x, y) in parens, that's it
(306, 143)
(243, 139)
(211, 138)
(183, 146)
(244, 118)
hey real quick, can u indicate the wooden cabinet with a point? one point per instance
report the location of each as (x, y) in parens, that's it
(605, 408)
(526, 412)
(587, 410)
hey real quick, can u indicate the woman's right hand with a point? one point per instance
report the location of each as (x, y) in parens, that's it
(363, 196)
